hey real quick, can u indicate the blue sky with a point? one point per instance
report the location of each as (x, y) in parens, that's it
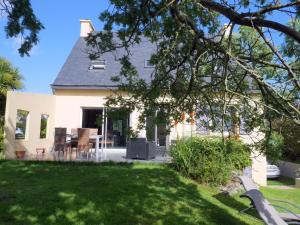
(61, 21)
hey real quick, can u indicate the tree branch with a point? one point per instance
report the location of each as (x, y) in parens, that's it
(239, 18)
(270, 9)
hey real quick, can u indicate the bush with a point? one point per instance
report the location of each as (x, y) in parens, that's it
(291, 133)
(274, 147)
(209, 160)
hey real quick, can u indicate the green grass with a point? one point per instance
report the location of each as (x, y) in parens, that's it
(291, 195)
(281, 181)
(110, 194)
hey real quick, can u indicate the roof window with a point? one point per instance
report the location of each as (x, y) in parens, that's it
(98, 65)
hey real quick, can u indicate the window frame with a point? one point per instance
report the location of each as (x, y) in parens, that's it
(25, 135)
(100, 62)
(47, 123)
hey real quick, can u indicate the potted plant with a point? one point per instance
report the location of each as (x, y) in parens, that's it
(20, 154)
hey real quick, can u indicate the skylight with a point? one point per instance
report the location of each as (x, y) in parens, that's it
(98, 65)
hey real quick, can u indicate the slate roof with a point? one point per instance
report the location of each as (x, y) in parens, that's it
(75, 73)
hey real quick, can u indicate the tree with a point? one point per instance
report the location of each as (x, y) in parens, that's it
(21, 22)
(202, 66)
(10, 79)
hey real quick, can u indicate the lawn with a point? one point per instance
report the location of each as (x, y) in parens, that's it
(113, 194)
(281, 181)
(291, 195)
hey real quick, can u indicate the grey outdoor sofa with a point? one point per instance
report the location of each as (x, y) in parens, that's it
(140, 148)
(265, 209)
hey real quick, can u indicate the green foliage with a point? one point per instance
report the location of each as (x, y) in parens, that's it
(238, 153)
(21, 21)
(104, 194)
(195, 57)
(209, 160)
(274, 147)
(291, 133)
(21, 124)
(44, 123)
(10, 79)
(292, 48)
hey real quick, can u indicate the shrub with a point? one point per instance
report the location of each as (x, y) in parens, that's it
(290, 132)
(238, 154)
(274, 147)
(209, 160)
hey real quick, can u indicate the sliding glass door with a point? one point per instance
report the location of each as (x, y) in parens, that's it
(116, 127)
(156, 129)
(114, 123)
(92, 118)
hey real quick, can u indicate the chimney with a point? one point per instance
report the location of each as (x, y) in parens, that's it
(86, 27)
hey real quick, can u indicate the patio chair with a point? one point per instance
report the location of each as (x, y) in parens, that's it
(73, 137)
(140, 148)
(84, 145)
(265, 209)
(92, 143)
(60, 144)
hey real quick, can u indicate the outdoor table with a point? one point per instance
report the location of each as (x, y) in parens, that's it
(97, 138)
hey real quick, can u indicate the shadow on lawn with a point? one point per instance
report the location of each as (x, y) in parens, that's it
(110, 194)
(232, 202)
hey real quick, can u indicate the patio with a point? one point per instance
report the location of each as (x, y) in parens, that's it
(119, 155)
(85, 144)
(105, 155)
(115, 155)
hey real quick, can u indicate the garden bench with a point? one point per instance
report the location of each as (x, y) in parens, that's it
(266, 211)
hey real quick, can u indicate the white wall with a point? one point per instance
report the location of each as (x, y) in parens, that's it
(36, 105)
(69, 105)
(65, 110)
(259, 160)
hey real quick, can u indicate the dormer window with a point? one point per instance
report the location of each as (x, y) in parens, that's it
(98, 65)
(148, 64)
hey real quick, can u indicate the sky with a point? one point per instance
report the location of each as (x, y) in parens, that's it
(62, 29)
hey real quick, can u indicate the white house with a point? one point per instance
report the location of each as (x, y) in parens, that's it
(78, 99)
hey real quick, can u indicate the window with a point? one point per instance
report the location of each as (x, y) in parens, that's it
(21, 124)
(148, 64)
(98, 65)
(44, 125)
